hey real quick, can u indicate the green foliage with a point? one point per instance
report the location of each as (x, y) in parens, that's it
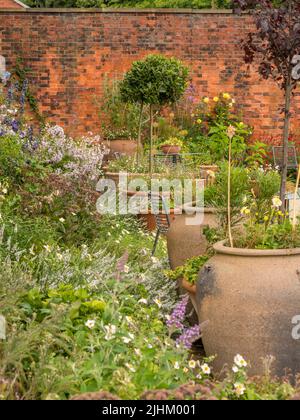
(257, 154)
(11, 157)
(216, 195)
(268, 236)
(190, 270)
(156, 80)
(119, 120)
(191, 4)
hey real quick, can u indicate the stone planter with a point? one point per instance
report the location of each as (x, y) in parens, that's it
(170, 150)
(123, 147)
(249, 298)
(185, 241)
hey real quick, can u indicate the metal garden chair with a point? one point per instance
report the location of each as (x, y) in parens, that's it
(161, 214)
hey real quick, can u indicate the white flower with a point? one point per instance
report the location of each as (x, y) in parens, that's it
(158, 303)
(239, 389)
(4, 190)
(110, 331)
(90, 323)
(199, 376)
(276, 202)
(240, 361)
(185, 370)
(144, 301)
(245, 210)
(138, 352)
(206, 369)
(130, 367)
(126, 269)
(192, 364)
(62, 220)
(126, 340)
(235, 369)
(176, 366)
(155, 260)
(47, 248)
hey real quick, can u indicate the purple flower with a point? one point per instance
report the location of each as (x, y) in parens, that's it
(178, 314)
(189, 336)
(15, 125)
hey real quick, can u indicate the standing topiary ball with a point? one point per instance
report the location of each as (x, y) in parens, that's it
(155, 81)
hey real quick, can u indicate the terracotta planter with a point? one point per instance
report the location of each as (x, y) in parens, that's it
(249, 298)
(191, 289)
(186, 241)
(170, 150)
(124, 147)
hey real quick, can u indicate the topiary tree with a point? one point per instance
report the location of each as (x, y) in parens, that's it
(275, 44)
(155, 81)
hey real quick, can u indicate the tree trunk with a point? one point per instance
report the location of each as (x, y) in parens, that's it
(151, 141)
(139, 143)
(229, 195)
(286, 131)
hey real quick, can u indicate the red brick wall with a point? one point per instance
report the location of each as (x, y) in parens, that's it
(10, 4)
(71, 52)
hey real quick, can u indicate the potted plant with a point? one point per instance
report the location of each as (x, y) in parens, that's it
(172, 146)
(250, 289)
(188, 274)
(120, 121)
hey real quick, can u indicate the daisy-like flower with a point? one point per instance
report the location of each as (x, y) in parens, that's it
(158, 303)
(185, 370)
(235, 369)
(143, 301)
(199, 376)
(245, 210)
(192, 364)
(110, 331)
(90, 323)
(276, 202)
(126, 340)
(206, 100)
(240, 361)
(206, 369)
(239, 389)
(216, 99)
(199, 121)
(62, 220)
(126, 269)
(176, 366)
(130, 367)
(226, 96)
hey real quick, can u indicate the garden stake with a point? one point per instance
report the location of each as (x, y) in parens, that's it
(295, 199)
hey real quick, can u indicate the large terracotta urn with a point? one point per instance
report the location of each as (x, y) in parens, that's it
(185, 238)
(250, 299)
(121, 147)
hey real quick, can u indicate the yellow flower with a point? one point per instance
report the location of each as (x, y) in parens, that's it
(185, 370)
(199, 121)
(276, 202)
(216, 99)
(245, 210)
(226, 96)
(266, 218)
(192, 115)
(206, 100)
